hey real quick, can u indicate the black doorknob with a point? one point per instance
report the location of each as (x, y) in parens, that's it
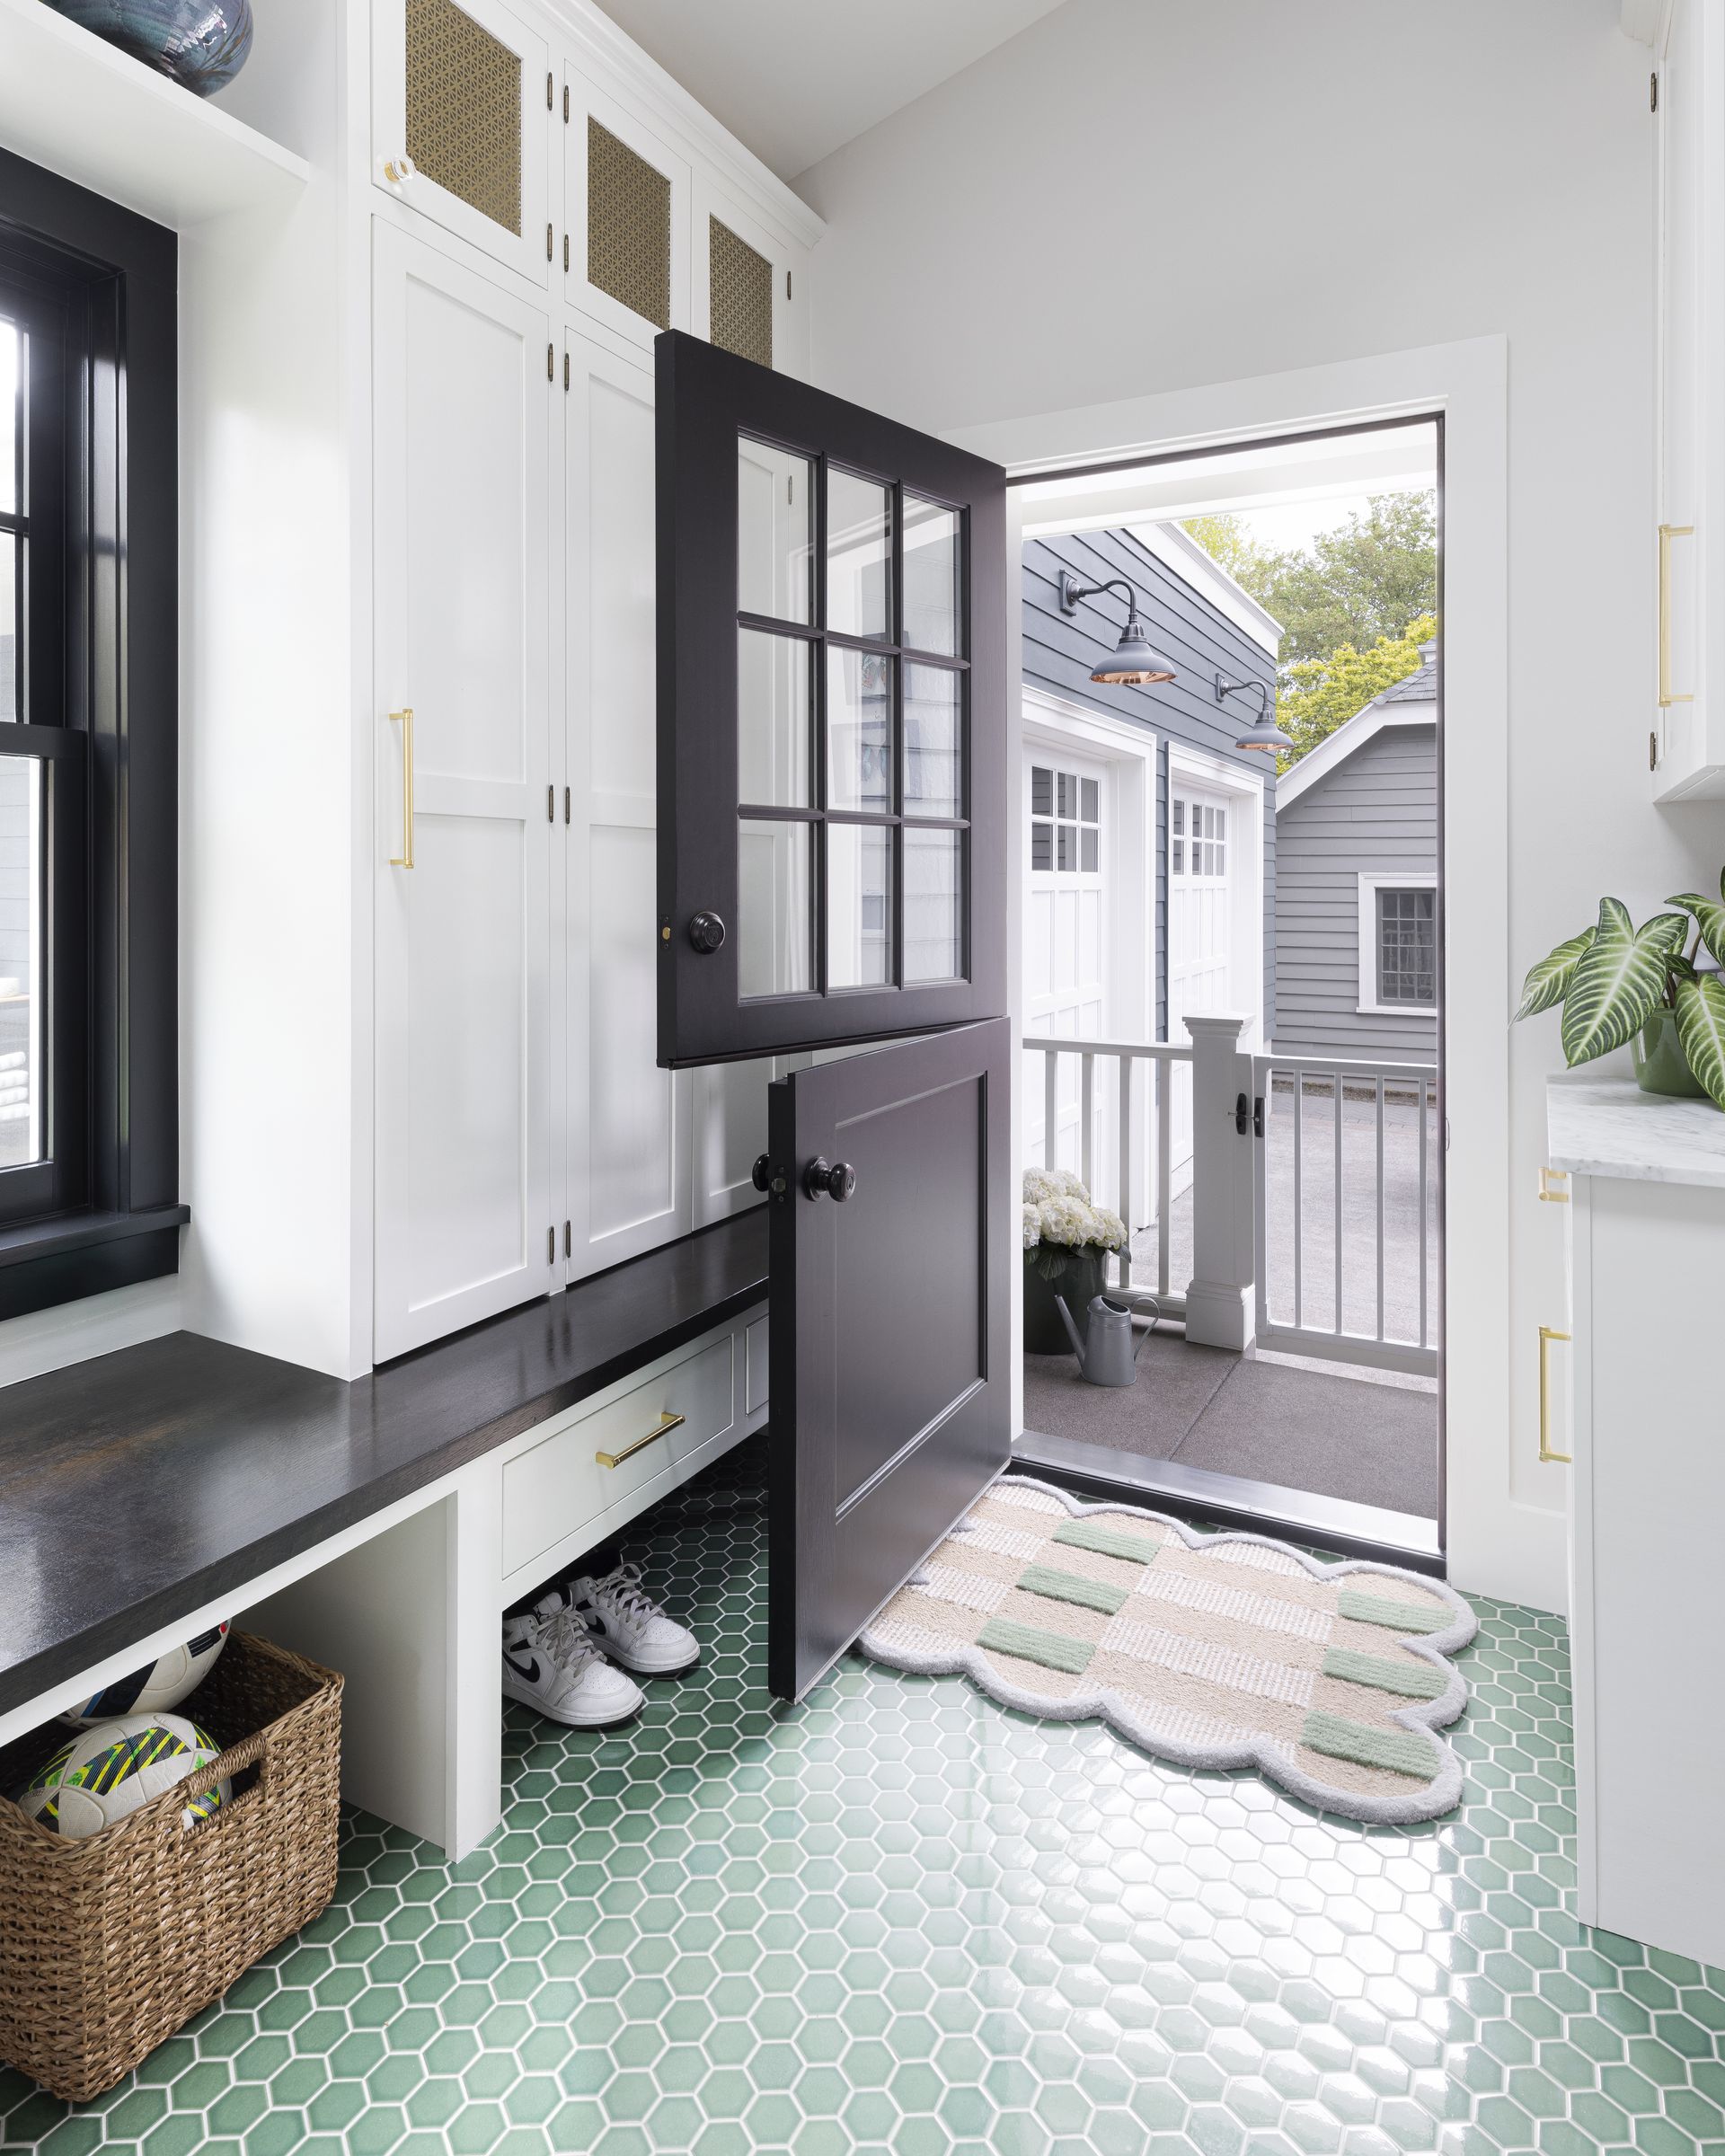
(707, 933)
(761, 1174)
(834, 1179)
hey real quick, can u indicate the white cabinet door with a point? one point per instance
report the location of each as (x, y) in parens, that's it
(625, 254)
(463, 123)
(627, 1121)
(748, 293)
(461, 413)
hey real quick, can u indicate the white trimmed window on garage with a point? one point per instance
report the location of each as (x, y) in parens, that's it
(1398, 943)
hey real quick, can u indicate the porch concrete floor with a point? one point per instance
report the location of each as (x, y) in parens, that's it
(1267, 1418)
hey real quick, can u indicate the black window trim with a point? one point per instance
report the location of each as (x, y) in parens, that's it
(115, 1217)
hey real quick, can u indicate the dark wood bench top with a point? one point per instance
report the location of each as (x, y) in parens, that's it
(137, 1485)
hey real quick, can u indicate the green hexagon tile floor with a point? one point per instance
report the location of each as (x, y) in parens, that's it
(903, 1919)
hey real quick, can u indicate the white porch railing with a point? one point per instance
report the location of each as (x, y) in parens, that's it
(1307, 1214)
(1120, 1141)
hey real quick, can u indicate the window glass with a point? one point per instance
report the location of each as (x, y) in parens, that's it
(9, 428)
(933, 741)
(11, 654)
(1041, 846)
(776, 532)
(934, 905)
(859, 555)
(776, 720)
(1179, 815)
(858, 906)
(859, 729)
(1090, 850)
(933, 571)
(775, 907)
(1179, 857)
(21, 938)
(1407, 946)
(1041, 791)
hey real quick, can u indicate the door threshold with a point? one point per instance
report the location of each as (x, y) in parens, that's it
(1235, 1501)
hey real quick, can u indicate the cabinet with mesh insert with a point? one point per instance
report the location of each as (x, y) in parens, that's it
(748, 288)
(465, 112)
(625, 260)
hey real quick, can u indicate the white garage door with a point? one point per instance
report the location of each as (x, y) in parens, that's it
(1065, 958)
(1200, 928)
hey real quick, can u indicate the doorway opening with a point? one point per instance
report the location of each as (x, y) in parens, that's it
(1232, 914)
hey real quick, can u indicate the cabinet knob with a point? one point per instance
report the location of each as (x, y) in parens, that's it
(707, 933)
(397, 169)
(832, 1179)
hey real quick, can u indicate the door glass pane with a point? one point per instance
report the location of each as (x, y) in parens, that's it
(859, 555)
(10, 669)
(776, 532)
(934, 779)
(1042, 845)
(776, 720)
(8, 416)
(933, 907)
(1091, 799)
(1041, 791)
(1090, 851)
(858, 906)
(21, 960)
(774, 894)
(932, 567)
(1067, 856)
(859, 730)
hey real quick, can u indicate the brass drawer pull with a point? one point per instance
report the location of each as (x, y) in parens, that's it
(666, 1422)
(1547, 1334)
(1668, 532)
(404, 720)
(1547, 1194)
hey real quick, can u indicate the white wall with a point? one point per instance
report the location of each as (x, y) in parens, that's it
(1133, 197)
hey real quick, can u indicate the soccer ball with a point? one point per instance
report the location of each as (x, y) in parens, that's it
(164, 1682)
(108, 1770)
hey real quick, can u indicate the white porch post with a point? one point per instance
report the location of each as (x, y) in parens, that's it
(1219, 1297)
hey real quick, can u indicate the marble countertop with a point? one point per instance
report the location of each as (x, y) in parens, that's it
(1607, 1125)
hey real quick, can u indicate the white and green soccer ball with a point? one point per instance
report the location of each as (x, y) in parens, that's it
(173, 1676)
(111, 1768)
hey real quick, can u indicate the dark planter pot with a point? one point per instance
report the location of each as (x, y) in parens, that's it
(1660, 1064)
(199, 44)
(1044, 1334)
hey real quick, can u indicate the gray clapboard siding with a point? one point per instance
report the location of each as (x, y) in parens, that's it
(1376, 813)
(1060, 649)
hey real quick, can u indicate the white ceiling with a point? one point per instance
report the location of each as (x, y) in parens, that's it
(795, 79)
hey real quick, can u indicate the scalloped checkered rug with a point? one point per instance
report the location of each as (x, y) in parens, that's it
(1211, 1650)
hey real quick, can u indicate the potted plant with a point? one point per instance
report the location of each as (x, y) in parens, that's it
(1618, 983)
(1067, 1243)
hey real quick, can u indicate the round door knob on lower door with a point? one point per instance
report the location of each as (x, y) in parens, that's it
(706, 933)
(831, 1178)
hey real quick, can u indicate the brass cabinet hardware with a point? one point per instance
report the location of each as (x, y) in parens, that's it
(1547, 1194)
(1668, 532)
(1547, 1334)
(550, 238)
(551, 1244)
(565, 254)
(548, 90)
(405, 718)
(1653, 748)
(666, 1422)
(566, 804)
(565, 371)
(551, 363)
(565, 104)
(398, 169)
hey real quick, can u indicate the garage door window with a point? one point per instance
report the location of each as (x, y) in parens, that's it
(1065, 822)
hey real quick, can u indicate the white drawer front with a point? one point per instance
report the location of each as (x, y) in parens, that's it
(558, 1486)
(755, 1366)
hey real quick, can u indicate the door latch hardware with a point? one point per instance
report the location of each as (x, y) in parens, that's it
(1241, 1115)
(707, 933)
(768, 1178)
(1258, 1116)
(833, 1178)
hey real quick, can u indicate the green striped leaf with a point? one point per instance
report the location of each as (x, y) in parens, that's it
(1710, 918)
(1618, 980)
(1546, 981)
(1700, 1029)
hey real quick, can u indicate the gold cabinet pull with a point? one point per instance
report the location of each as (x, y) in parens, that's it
(405, 859)
(1547, 1334)
(1547, 1194)
(666, 1422)
(1668, 532)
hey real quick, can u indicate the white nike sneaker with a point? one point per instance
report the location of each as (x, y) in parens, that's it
(627, 1625)
(551, 1663)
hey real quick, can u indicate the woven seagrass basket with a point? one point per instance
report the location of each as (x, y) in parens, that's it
(109, 1944)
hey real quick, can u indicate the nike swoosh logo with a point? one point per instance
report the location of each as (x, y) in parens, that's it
(529, 1669)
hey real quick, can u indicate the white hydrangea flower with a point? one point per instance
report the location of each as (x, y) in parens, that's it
(1033, 1227)
(1036, 1187)
(1111, 1228)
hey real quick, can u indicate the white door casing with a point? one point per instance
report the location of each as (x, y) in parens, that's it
(461, 414)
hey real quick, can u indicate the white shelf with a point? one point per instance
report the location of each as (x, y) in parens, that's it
(86, 110)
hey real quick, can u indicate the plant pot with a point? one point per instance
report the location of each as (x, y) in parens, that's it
(1660, 1064)
(1082, 1278)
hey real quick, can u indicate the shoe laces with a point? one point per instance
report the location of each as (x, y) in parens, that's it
(566, 1640)
(623, 1589)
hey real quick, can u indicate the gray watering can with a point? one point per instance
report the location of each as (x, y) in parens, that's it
(1106, 1354)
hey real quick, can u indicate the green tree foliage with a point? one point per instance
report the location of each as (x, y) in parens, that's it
(1355, 606)
(1317, 696)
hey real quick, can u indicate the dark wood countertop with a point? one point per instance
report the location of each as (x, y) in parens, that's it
(140, 1485)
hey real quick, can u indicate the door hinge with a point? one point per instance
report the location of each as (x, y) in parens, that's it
(569, 1241)
(548, 90)
(565, 104)
(790, 492)
(565, 372)
(551, 363)
(787, 284)
(566, 804)
(1653, 91)
(565, 254)
(550, 804)
(551, 1244)
(1653, 750)
(551, 240)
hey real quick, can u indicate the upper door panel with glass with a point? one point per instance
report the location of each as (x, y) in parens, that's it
(831, 732)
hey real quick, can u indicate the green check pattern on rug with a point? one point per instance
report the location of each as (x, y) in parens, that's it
(1212, 1650)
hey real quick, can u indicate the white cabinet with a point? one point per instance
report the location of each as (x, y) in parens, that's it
(625, 194)
(747, 290)
(1647, 1251)
(1687, 749)
(462, 1133)
(463, 123)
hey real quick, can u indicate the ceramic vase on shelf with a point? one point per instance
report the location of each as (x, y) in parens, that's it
(1660, 1064)
(199, 44)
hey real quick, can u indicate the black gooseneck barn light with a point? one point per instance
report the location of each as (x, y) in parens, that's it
(1134, 663)
(1266, 734)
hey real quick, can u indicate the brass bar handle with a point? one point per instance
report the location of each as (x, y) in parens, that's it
(405, 859)
(1547, 1334)
(1547, 1194)
(1668, 532)
(666, 1422)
